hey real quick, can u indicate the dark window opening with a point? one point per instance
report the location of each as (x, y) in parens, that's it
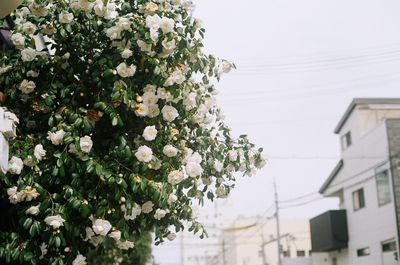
(358, 199)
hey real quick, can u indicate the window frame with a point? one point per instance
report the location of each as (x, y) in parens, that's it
(361, 202)
(302, 253)
(286, 254)
(379, 171)
(346, 140)
(360, 252)
(392, 246)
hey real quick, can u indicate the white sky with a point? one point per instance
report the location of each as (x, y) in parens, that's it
(300, 63)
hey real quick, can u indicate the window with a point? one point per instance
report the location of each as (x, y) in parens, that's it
(362, 252)
(358, 199)
(383, 187)
(334, 261)
(301, 253)
(286, 254)
(389, 246)
(346, 140)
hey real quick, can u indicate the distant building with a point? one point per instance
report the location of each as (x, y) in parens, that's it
(253, 242)
(365, 231)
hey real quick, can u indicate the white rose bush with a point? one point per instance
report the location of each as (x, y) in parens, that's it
(120, 136)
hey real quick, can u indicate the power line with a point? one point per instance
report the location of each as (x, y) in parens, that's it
(299, 198)
(324, 61)
(359, 50)
(337, 88)
(302, 203)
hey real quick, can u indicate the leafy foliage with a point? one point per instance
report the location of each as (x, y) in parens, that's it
(119, 133)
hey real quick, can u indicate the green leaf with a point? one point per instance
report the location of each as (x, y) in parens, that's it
(99, 170)
(27, 223)
(68, 28)
(57, 242)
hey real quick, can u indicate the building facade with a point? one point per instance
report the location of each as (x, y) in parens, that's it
(367, 182)
(253, 242)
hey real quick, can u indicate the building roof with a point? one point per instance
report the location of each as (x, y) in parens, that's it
(331, 177)
(358, 101)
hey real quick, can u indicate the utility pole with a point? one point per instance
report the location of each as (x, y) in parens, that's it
(182, 250)
(223, 252)
(263, 250)
(278, 232)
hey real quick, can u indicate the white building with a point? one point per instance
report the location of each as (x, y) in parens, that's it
(367, 182)
(253, 242)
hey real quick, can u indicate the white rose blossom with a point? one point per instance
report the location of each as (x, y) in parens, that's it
(15, 165)
(39, 152)
(38, 10)
(177, 77)
(29, 27)
(221, 191)
(167, 25)
(108, 11)
(27, 86)
(29, 161)
(150, 98)
(153, 111)
(194, 169)
(126, 71)
(144, 47)
(57, 137)
(172, 198)
(170, 151)
(126, 53)
(218, 166)
(175, 177)
(136, 211)
(226, 67)
(233, 155)
(32, 73)
(147, 207)
(86, 144)
(153, 22)
(150, 133)
(18, 40)
(125, 245)
(5, 69)
(55, 221)
(101, 227)
(33, 210)
(15, 196)
(141, 110)
(79, 260)
(171, 236)
(169, 113)
(85, 5)
(28, 54)
(30, 193)
(144, 154)
(115, 235)
(160, 214)
(65, 18)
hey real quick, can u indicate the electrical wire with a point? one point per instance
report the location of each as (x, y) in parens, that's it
(299, 198)
(302, 203)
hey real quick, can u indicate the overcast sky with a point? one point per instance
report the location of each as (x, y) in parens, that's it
(300, 63)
